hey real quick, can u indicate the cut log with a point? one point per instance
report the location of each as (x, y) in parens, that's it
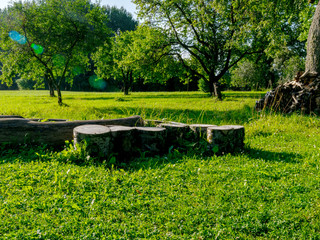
(176, 133)
(47, 120)
(123, 144)
(200, 130)
(96, 138)
(151, 140)
(10, 116)
(15, 131)
(226, 139)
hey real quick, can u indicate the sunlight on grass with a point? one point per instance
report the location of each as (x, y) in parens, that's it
(270, 191)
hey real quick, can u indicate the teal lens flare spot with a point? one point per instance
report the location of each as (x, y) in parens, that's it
(37, 48)
(15, 36)
(97, 83)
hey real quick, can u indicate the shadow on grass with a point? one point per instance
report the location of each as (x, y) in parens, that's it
(88, 98)
(273, 156)
(244, 95)
(239, 116)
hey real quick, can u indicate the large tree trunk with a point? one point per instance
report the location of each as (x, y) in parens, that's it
(313, 46)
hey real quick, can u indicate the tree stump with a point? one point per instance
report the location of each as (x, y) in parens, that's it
(200, 130)
(123, 144)
(176, 133)
(96, 137)
(226, 139)
(151, 140)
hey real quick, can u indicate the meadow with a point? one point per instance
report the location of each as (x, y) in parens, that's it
(271, 190)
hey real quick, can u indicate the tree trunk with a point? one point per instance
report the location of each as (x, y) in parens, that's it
(59, 96)
(125, 88)
(51, 90)
(50, 85)
(313, 45)
(217, 90)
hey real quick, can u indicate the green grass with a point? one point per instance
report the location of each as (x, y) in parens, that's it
(270, 191)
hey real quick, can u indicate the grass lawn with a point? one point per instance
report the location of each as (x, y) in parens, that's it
(269, 191)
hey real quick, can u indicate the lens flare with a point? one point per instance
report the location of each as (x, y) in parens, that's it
(97, 83)
(15, 36)
(77, 70)
(37, 48)
(58, 60)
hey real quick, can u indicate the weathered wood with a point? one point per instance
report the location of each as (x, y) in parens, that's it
(226, 139)
(176, 133)
(200, 130)
(13, 130)
(47, 119)
(10, 116)
(96, 137)
(151, 140)
(123, 143)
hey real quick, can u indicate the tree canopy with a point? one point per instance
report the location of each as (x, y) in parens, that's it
(50, 40)
(143, 53)
(219, 34)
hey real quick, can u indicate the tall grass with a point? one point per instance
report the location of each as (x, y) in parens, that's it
(270, 191)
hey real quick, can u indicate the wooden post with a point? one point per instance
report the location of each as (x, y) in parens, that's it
(151, 140)
(176, 133)
(226, 139)
(123, 143)
(200, 130)
(96, 137)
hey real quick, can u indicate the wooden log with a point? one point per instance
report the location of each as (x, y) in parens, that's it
(123, 143)
(96, 138)
(200, 130)
(151, 140)
(47, 120)
(15, 131)
(226, 139)
(10, 116)
(176, 133)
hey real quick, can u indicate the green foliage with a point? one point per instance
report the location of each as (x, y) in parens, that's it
(59, 36)
(120, 20)
(288, 67)
(269, 191)
(134, 55)
(246, 76)
(26, 84)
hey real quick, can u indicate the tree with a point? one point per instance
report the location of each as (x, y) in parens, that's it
(217, 34)
(50, 39)
(312, 66)
(119, 19)
(140, 54)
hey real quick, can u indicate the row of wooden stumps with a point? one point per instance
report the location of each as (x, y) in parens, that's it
(126, 142)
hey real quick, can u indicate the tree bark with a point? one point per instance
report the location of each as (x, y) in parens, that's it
(217, 90)
(313, 46)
